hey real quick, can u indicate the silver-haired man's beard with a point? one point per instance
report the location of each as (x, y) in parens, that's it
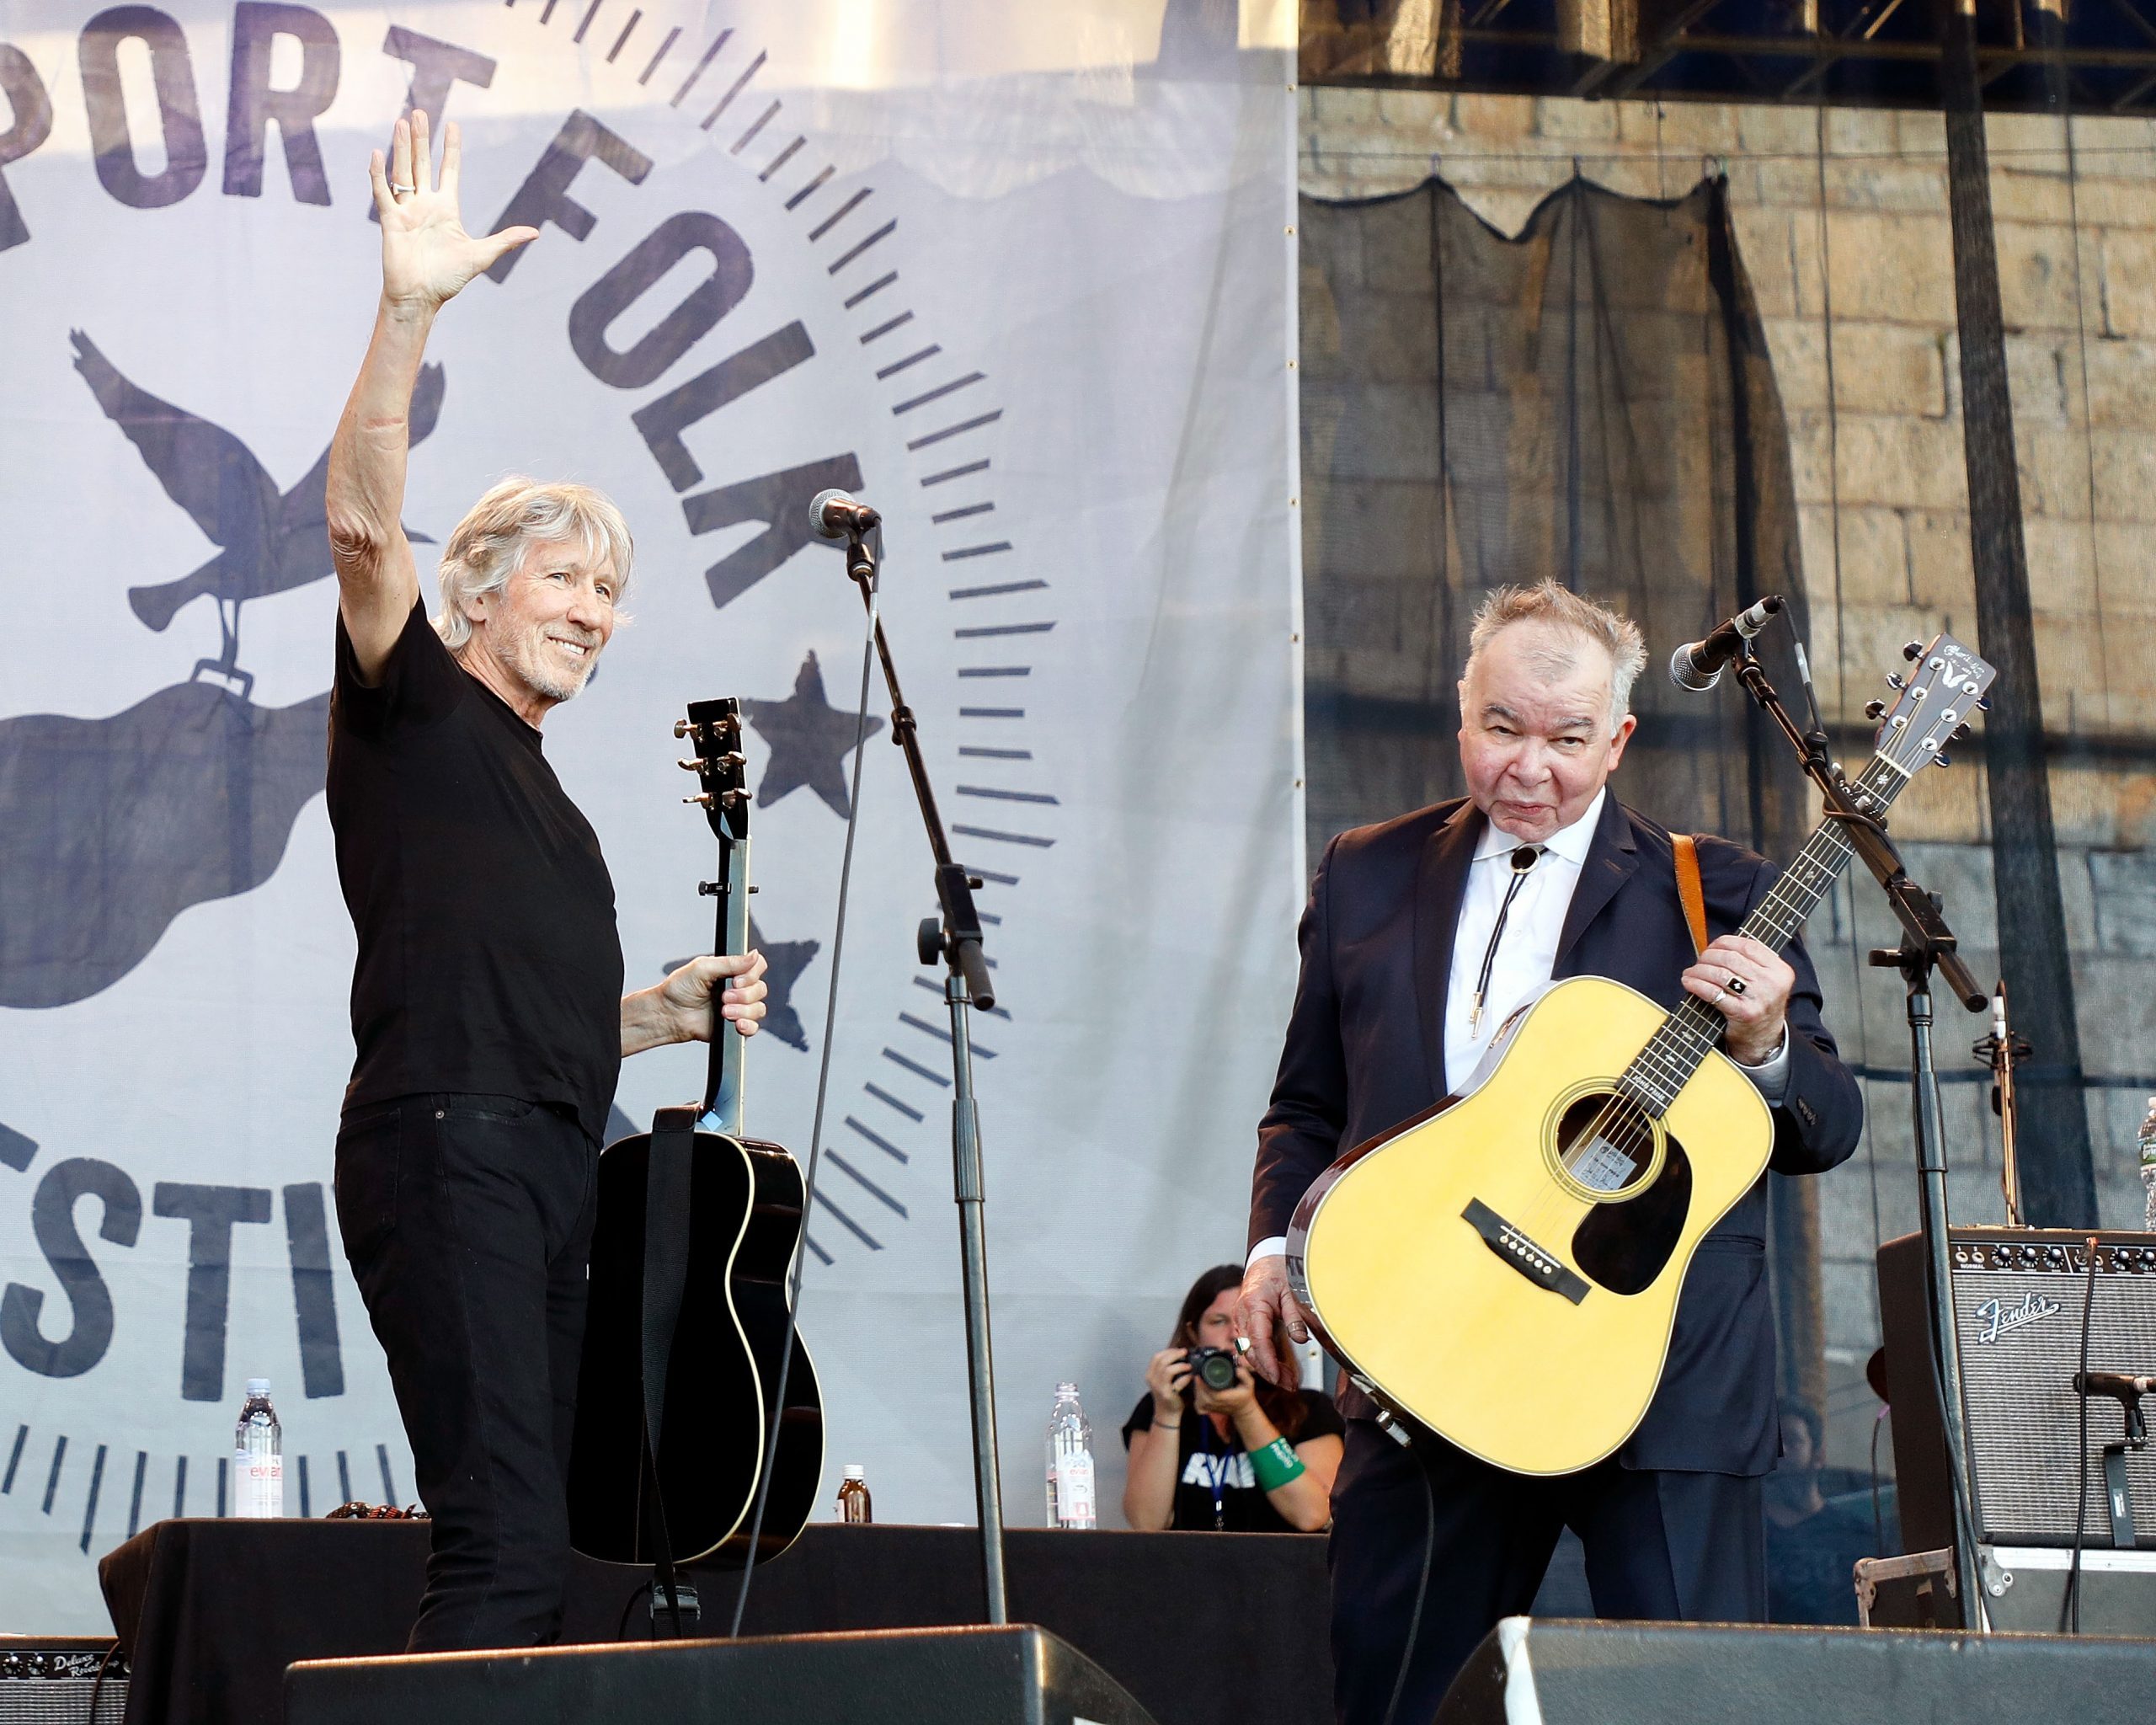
(538, 656)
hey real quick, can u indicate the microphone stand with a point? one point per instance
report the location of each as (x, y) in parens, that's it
(954, 938)
(1928, 943)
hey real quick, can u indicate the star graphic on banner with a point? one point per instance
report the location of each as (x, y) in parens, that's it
(784, 960)
(809, 740)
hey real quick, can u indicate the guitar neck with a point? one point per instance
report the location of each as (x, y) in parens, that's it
(727, 1070)
(1695, 1029)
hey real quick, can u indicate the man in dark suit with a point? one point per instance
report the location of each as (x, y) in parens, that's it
(1422, 935)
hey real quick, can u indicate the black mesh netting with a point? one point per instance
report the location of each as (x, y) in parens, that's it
(1591, 400)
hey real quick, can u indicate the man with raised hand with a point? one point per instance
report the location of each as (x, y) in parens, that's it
(486, 1003)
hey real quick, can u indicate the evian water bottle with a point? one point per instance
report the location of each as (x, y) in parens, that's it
(2149, 1167)
(257, 1456)
(1069, 1461)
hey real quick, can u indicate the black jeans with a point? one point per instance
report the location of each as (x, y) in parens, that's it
(1687, 1548)
(467, 1223)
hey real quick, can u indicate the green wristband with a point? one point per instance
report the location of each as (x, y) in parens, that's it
(1275, 1464)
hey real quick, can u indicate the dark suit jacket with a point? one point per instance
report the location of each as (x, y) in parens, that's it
(1365, 1050)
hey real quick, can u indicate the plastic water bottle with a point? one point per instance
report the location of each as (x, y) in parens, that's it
(1069, 1461)
(853, 1495)
(257, 1456)
(2149, 1167)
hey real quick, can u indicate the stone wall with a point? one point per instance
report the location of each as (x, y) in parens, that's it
(1843, 222)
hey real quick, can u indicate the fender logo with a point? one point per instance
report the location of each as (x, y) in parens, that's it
(1999, 1320)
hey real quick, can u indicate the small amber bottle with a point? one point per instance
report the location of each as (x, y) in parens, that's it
(853, 1495)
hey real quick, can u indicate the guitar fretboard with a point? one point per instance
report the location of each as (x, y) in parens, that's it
(1694, 1029)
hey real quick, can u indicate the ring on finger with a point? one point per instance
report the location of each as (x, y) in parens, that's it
(1720, 995)
(1735, 984)
(401, 191)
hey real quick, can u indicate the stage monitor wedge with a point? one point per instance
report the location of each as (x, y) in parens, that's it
(1017, 1676)
(1530, 1673)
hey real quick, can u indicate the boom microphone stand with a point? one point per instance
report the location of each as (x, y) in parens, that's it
(955, 939)
(1927, 944)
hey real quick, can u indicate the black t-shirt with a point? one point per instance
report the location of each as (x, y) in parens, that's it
(1207, 1459)
(489, 960)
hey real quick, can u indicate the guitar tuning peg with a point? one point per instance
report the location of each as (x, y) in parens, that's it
(730, 797)
(1894, 681)
(1939, 761)
(689, 765)
(701, 797)
(1912, 651)
(1960, 734)
(1875, 710)
(1983, 703)
(682, 727)
(733, 758)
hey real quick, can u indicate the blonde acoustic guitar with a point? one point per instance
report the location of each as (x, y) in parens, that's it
(1548, 1212)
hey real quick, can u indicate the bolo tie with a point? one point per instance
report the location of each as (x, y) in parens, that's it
(1523, 862)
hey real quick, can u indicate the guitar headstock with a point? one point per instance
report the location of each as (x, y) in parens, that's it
(713, 729)
(1932, 706)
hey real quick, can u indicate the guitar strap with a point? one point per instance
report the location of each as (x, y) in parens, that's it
(665, 1273)
(1688, 890)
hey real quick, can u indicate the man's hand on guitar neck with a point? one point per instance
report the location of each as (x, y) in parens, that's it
(679, 1009)
(1267, 1301)
(1748, 983)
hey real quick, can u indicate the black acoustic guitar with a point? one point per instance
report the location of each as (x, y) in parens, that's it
(697, 1233)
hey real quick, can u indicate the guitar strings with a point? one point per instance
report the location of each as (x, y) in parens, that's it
(1778, 916)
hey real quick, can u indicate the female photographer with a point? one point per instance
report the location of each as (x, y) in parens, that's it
(1247, 1457)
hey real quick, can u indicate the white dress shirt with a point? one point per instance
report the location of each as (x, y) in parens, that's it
(1526, 954)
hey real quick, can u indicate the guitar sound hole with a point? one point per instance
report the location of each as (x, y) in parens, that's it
(1605, 1142)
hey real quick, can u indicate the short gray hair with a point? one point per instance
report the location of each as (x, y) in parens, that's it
(489, 543)
(1547, 601)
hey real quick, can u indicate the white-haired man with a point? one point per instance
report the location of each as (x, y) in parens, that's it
(1423, 934)
(487, 1000)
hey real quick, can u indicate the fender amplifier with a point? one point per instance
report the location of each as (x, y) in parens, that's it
(62, 1680)
(2017, 1298)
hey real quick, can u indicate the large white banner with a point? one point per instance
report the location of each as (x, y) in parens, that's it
(1021, 275)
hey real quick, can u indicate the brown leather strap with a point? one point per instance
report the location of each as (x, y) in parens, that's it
(1688, 890)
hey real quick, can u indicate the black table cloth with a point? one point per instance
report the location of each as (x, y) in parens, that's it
(1203, 1629)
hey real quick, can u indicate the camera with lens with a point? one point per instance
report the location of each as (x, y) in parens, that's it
(1213, 1367)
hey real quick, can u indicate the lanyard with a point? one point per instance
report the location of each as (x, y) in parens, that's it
(1216, 1471)
(1523, 860)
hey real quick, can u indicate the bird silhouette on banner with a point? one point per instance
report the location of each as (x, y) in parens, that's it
(269, 541)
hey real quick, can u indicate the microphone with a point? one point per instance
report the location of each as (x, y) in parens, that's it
(1697, 665)
(2113, 1383)
(833, 515)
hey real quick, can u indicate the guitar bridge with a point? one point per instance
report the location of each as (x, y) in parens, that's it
(1522, 1253)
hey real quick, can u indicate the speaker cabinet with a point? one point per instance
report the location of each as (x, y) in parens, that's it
(2018, 1295)
(1650, 1674)
(62, 1680)
(1017, 1675)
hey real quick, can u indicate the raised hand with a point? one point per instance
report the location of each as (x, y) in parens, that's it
(426, 255)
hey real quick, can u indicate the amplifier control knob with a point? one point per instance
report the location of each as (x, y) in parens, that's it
(2055, 1256)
